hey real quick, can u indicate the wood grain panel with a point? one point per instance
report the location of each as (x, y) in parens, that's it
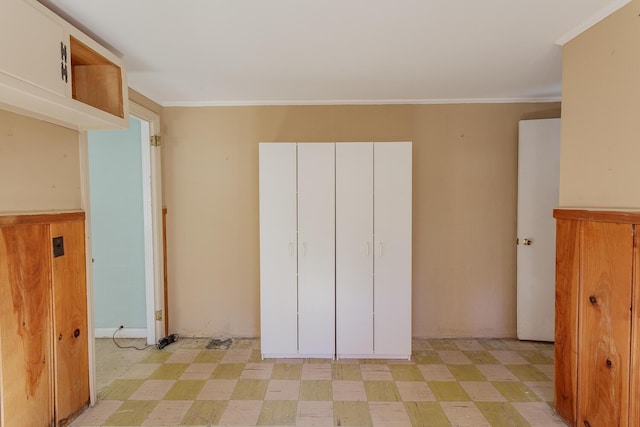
(25, 318)
(634, 404)
(566, 322)
(41, 218)
(621, 217)
(606, 257)
(70, 322)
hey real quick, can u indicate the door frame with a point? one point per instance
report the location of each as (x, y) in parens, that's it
(154, 289)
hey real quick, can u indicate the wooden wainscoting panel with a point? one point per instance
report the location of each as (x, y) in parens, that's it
(566, 331)
(634, 392)
(25, 317)
(70, 322)
(606, 273)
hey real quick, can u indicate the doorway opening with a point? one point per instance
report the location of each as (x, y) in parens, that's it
(122, 199)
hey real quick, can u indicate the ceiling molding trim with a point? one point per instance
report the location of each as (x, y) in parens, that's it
(360, 102)
(599, 16)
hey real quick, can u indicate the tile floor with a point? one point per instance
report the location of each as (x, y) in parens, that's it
(466, 382)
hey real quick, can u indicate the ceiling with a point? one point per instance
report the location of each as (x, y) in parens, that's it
(246, 52)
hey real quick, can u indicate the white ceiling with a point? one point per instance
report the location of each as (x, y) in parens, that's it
(234, 52)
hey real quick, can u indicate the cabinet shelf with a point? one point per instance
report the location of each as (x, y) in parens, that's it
(95, 80)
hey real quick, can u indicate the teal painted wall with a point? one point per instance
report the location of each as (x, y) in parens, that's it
(115, 175)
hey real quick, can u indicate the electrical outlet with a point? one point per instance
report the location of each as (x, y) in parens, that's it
(158, 314)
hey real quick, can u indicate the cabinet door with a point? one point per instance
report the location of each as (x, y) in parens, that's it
(566, 319)
(392, 262)
(25, 332)
(316, 249)
(354, 249)
(70, 321)
(606, 269)
(31, 50)
(278, 259)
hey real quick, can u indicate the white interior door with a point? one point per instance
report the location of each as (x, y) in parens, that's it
(392, 262)
(538, 171)
(316, 249)
(278, 256)
(354, 249)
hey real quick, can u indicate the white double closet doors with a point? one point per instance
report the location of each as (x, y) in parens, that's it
(335, 249)
(297, 249)
(373, 250)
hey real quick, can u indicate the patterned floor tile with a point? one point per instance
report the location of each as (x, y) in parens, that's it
(384, 414)
(351, 414)
(464, 414)
(167, 413)
(349, 391)
(204, 412)
(283, 390)
(501, 414)
(278, 413)
(426, 414)
(241, 413)
(153, 390)
(314, 414)
(448, 391)
(447, 382)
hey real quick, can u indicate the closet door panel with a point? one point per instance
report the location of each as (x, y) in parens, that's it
(392, 262)
(354, 249)
(278, 256)
(316, 249)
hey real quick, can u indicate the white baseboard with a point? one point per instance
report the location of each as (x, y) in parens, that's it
(123, 333)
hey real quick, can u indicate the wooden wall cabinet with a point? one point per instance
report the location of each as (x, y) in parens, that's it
(44, 371)
(597, 325)
(52, 71)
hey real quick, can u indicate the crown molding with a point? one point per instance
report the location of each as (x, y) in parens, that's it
(585, 25)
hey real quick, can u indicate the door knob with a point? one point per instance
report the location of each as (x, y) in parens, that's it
(527, 242)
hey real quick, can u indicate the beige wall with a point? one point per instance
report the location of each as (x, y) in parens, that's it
(600, 150)
(464, 208)
(39, 165)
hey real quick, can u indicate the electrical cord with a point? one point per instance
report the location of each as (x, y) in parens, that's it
(128, 346)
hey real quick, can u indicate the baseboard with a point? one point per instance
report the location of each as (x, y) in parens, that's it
(122, 333)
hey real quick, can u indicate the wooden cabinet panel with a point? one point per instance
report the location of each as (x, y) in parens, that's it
(70, 322)
(606, 269)
(26, 359)
(566, 330)
(634, 375)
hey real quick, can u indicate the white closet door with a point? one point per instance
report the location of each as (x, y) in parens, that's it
(354, 249)
(392, 263)
(316, 249)
(278, 254)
